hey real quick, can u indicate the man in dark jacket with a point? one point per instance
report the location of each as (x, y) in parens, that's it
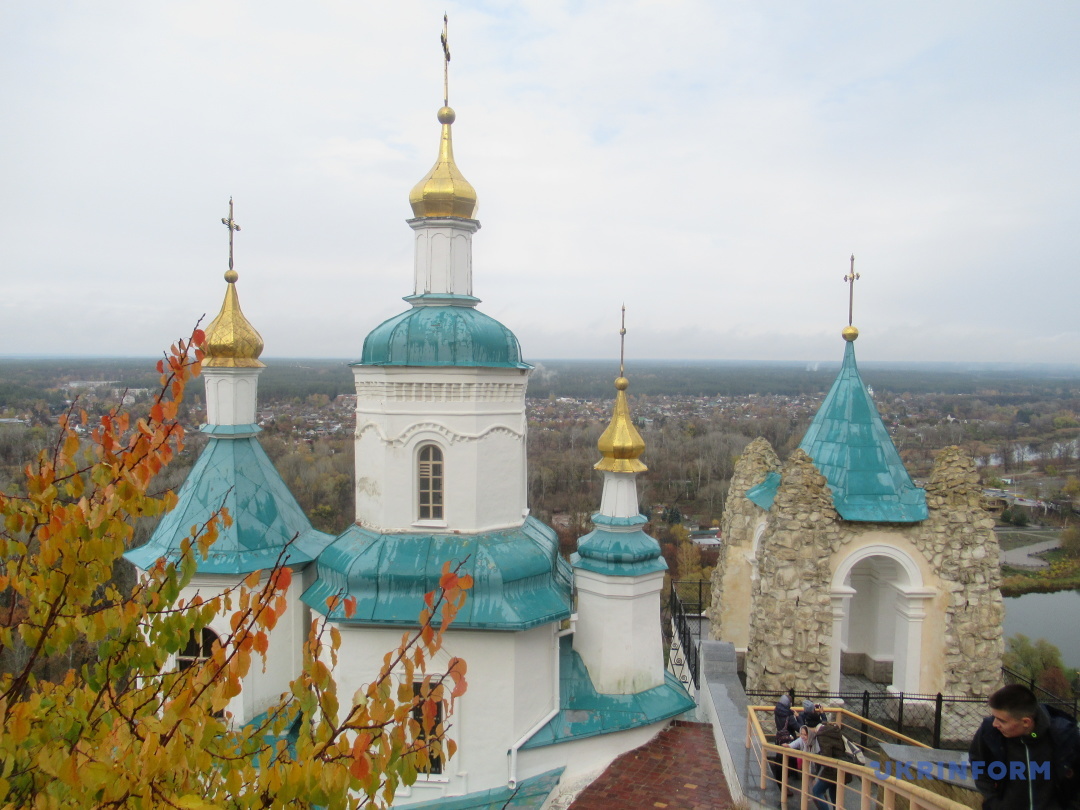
(1026, 755)
(829, 742)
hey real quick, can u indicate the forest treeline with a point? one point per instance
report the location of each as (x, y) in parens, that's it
(1012, 421)
(26, 381)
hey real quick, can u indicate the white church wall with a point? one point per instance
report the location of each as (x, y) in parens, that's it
(618, 632)
(475, 416)
(231, 395)
(512, 679)
(261, 689)
(443, 256)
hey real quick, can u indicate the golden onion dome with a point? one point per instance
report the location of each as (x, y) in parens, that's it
(231, 340)
(621, 445)
(850, 333)
(444, 192)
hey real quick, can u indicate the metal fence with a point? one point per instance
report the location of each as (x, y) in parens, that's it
(686, 623)
(941, 721)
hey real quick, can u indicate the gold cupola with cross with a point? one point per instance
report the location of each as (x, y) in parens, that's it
(621, 445)
(231, 340)
(444, 191)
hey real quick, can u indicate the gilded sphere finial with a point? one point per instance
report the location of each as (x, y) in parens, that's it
(850, 333)
(447, 115)
(231, 276)
(622, 383)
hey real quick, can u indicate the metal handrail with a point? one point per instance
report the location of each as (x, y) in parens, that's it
(873, 790)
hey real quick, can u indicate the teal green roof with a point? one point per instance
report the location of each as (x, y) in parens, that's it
(519, 578)
(851, 447)
(238, 474)
(588, 713)
(618, 553)
(528, 794)
(456, 335)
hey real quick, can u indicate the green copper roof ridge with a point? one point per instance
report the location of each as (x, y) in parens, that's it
(237, 473)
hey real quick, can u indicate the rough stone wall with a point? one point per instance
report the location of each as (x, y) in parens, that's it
(790, 629)
(791, 610)
(740, 519)
(960, 543)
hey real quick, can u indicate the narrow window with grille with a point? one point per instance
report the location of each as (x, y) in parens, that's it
(431, 483)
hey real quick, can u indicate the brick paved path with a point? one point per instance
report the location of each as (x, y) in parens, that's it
(678, 770)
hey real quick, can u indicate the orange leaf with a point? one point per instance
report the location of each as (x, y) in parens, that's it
(350, 607)
(284, 579)
(360, 767)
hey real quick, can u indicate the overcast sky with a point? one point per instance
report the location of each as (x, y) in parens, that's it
(710, 163)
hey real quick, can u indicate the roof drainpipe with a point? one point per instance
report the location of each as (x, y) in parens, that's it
(511, 781)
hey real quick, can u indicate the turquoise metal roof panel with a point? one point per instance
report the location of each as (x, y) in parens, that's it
(617, 553)
(235, 473)
(851, 447)
(519, 578)
(588, 713)
(528, 794)
(231, 430)
(442, 336)
(764, 494)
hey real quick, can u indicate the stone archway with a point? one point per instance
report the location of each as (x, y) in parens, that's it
(878, 604)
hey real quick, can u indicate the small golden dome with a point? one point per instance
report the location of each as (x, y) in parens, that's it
(444, 192)
(231, 340)
(850, 333)
(621, 445)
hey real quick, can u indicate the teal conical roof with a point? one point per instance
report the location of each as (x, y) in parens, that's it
(238, 474)
(851, 447)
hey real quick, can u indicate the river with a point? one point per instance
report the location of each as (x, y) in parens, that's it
(1053, 616)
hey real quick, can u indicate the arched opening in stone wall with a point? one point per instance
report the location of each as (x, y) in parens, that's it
(878, 602)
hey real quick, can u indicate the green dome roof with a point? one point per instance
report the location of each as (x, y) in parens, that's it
(442, 336)
(519, 578)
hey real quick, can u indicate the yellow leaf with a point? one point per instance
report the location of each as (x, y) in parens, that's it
(195, 803)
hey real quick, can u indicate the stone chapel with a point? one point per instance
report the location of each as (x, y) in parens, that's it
(835, 562)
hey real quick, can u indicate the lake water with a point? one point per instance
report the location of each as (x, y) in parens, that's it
(1053, 616)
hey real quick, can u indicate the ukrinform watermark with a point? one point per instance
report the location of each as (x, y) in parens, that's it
(997, 771)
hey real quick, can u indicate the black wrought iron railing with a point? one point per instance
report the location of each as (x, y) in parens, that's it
(687, 604)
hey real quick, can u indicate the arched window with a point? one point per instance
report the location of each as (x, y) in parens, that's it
(198, 648)
(430, 490)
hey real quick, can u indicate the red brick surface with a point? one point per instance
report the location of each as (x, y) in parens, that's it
(678, 770)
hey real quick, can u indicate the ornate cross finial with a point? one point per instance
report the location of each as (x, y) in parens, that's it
(851, 278)
(446, 64)
(230, 223)
(622, 343)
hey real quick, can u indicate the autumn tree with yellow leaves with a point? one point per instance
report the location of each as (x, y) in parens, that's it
(119, 725)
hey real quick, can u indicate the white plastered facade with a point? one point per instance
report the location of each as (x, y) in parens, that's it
(475, 416)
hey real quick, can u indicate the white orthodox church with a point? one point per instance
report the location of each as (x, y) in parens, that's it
(565, 659)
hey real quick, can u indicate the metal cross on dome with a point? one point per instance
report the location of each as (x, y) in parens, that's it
(446, 64)
(230, 223)
(622, 343)
(851, 278)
